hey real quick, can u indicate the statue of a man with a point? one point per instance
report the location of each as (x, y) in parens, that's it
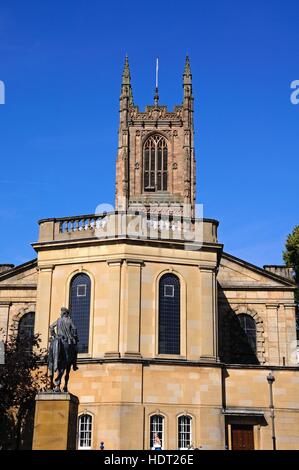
(63, 347)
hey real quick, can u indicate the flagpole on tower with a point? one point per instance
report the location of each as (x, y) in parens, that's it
(156, 97)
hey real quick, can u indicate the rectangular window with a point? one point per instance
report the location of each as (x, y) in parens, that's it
(156, 432)
(85, 429)
(81, 290)
(168, 290)
(185, 432)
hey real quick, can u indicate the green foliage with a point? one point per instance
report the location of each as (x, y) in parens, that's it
(21, 378)
(291, 255)
(291, 258)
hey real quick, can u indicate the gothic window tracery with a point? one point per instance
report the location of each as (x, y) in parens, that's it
(155, 155)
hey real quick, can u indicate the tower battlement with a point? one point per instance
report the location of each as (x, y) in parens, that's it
(155, 165)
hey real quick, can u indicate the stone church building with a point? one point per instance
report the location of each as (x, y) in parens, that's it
(177, 337)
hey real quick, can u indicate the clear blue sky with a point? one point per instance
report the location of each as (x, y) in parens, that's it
(61, 62)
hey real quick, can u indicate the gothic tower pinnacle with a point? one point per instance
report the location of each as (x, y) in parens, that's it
(155, 168)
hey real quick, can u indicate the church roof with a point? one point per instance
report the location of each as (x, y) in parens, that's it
(235, 272)
(21, 276)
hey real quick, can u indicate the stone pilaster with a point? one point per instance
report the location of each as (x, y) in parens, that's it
(291, 340)
(43, 304)
(273, 334)
(208, 314)
(113, 321)
(4, 316)
(131, 311)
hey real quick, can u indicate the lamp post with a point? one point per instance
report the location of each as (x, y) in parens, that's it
(271, 379)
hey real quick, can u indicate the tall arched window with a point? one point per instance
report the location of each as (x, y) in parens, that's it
(80, 308)
(169, 315)
(249, 327)
(156, 427)
(26, 331)
(85, 431)
(184, 432)
(155, 163)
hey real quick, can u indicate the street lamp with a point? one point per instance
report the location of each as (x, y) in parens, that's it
(271, 379)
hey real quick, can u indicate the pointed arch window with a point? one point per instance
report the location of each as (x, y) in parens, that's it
(155, 163)
(80, 308)
(169, 314)
(249, 327)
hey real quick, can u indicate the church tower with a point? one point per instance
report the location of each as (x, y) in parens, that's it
(155, 168)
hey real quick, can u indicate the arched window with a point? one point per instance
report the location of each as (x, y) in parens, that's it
(80, 308)
(184, 432)
(84, 431)
(26, 331)
(249, 327)
(155, 164)
(156, 428)
(169, 315)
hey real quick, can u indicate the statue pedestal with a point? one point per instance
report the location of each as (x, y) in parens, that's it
(55, 421)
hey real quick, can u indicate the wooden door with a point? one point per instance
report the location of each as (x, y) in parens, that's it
(242, 437)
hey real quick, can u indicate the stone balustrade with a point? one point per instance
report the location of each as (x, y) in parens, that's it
(128, 225)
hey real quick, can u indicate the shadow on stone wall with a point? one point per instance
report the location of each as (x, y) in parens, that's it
(234, 347)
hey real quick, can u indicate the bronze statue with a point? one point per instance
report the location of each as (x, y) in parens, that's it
(62, 352)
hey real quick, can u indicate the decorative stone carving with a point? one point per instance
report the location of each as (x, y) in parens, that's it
(154, 113)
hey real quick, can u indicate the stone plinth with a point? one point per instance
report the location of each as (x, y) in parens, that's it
(55, 421)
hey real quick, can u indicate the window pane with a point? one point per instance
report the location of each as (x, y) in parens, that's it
(156, 427)
(249, 327)
(26, 331)
(146, 180)
(159, 164)
(164, 181)
(153, 158)
(169, 315)
(146, 159)
(155, 161)
(84, 431)
(159, 181)
(80, 309)
(152, 180)
(185, 432)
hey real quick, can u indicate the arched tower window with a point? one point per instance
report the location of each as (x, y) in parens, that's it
(85, 431)
(80, 308)
(249, 327)
(26, 331)
(169, 314)
(155, 163)
(184, 432)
